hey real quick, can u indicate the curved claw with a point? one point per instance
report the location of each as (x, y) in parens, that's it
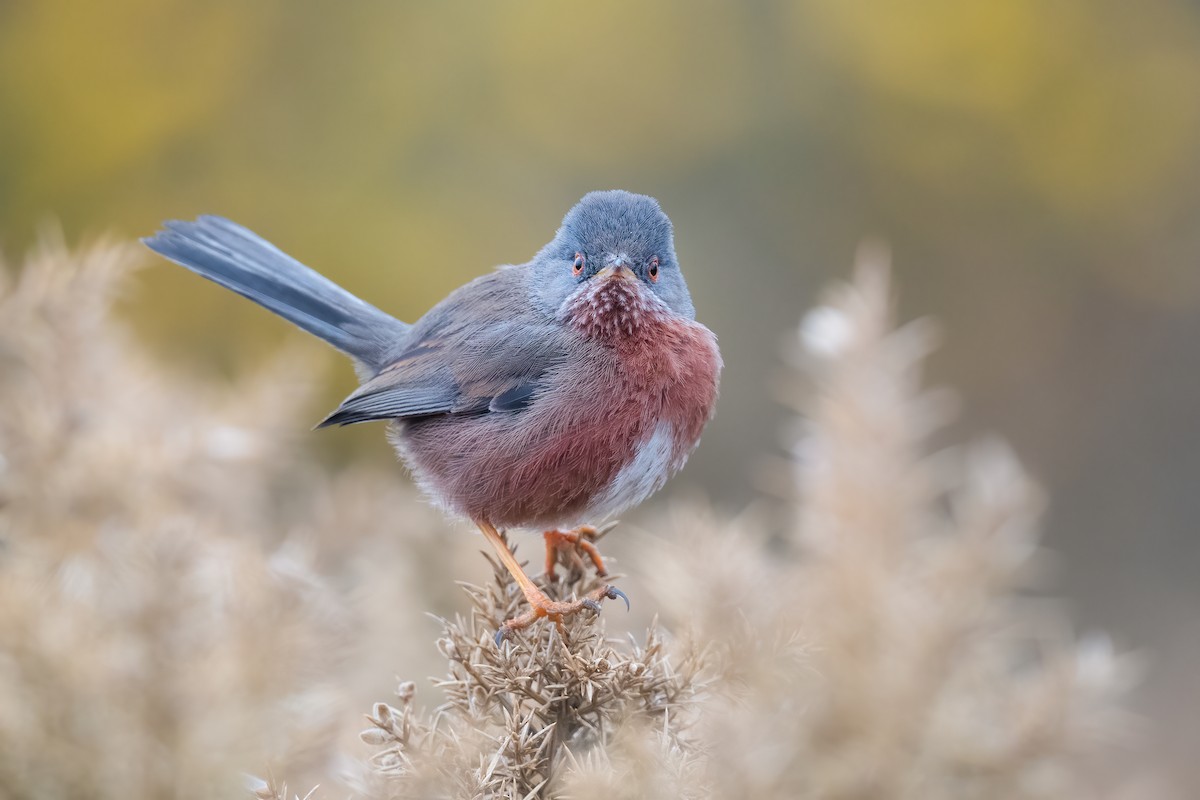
(543, 607)
(612, 593)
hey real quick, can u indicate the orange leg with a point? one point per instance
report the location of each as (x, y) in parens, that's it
(570, 543)
(540, 604)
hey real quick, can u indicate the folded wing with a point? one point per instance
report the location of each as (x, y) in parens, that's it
(475, 353)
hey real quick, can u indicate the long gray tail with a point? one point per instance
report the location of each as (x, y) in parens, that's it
(238, 259)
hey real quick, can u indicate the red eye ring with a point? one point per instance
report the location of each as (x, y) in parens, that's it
(653, 270)
(577, 267)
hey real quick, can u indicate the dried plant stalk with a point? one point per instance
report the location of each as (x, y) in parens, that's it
(893, 651)
(150, 645)
(517, 716)
(163, 628)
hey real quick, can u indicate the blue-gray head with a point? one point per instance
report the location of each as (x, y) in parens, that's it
(606, 232)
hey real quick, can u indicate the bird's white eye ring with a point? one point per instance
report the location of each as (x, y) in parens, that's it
(652, 271)
(577, 267)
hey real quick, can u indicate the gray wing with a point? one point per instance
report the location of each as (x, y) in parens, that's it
(484, 349)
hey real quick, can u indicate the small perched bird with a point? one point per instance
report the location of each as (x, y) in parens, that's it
(543, 395)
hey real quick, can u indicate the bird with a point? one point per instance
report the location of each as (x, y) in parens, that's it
(548, 395)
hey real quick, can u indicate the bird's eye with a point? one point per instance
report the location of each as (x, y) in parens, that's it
(577, 267)
(653, 269)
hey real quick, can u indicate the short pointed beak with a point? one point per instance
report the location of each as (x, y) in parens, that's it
(617, 270)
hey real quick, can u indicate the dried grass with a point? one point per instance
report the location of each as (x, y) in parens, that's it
(149, 643)
(183, 601)
(517, 717)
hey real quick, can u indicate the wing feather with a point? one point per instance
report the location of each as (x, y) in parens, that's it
(479, 351)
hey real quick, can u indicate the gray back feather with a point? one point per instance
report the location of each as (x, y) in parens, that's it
(484, 349)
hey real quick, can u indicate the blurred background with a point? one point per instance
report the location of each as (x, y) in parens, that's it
(1034, 167)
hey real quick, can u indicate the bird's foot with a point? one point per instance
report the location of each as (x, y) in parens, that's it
(541, 606)
(570, 547)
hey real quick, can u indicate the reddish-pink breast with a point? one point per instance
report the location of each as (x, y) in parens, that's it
(611, 425)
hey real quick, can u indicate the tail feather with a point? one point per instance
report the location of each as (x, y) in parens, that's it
(240, 260)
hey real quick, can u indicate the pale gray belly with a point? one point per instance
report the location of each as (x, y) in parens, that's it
(654, 463)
